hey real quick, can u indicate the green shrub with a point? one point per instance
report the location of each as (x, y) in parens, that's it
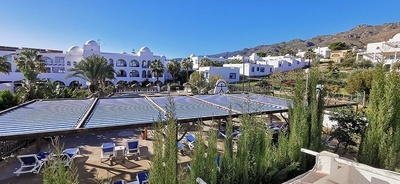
(7, 100)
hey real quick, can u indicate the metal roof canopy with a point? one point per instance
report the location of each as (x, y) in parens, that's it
(120, 111)
(42, 116)
(115, 113)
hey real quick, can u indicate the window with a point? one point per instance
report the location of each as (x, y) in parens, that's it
(59, 60)
(134, 73)
(206, 75)
(111, 62)
(143, 64)
(134, 63)
(9, 58)
(121, 73)
(48, 61)
(289, 64)
(270, 69)
(121, 63)
(68, 63)
(48, 70)
(144, 74)
(377, 48)
(232, 75)
(280, 65)
(148, 74)
(148, 63)
(252, 69)
(298, 62)
(262, 69)
(74, 63)
(258, 69)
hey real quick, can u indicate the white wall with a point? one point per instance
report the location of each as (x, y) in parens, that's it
(230, 74)
(250, 69)
(58, 64)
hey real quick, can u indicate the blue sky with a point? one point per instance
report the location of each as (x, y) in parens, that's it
(179, 28)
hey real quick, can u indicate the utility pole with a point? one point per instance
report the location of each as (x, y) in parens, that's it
(243, 75)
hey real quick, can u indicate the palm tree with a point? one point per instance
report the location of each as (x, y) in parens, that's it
(187, 65)
(93, 69)
(5, 67)
(310, 55)
(157, 68)
(174, 68)
(31, 64)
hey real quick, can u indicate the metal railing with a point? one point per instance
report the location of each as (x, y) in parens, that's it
(9, 147)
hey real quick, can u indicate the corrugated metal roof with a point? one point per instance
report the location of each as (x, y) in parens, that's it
(43, 116)
(119, 111)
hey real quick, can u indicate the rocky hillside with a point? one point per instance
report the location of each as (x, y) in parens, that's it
(358, 36)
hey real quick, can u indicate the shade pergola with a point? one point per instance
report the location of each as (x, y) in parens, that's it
(58, 117)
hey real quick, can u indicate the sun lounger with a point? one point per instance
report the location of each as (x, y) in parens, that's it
(141, 178)
(190, 140)
(235, 134)
(29, 164)
(107, 151)
(132, 147)
(68, 155)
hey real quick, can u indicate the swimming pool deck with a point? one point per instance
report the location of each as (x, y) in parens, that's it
(88, 164)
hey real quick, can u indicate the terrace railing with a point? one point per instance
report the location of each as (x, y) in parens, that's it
(9, 147)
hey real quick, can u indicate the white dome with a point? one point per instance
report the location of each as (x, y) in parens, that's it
(192, 55)
(74, 49)
(396, 37)
(144, 49)
(91, 42)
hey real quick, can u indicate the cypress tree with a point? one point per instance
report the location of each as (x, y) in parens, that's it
(227, 172)
(381, 139)
(164, 166)
(369, 147)
(197, 162)
(316, 109)
(211, 169)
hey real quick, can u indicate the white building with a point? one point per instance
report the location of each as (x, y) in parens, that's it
(230, 74)
(283, 63)
(252, 69)
(246, 59)
(128, 67)
(324, 51)
(196, 60)
(331, 169)
(387, 51)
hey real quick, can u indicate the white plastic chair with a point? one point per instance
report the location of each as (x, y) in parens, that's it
(29, 164)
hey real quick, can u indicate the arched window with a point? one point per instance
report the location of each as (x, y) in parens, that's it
(121, 63)
(144, 64)
(134, 63)
(134, 73)
(111, 62)
(68, 63)
(121, 73)
(148, 63)
(148, 74)
(144, 74)
(74, 63)
(47, 60)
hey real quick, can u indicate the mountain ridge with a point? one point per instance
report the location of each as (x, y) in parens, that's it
(358, 36)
